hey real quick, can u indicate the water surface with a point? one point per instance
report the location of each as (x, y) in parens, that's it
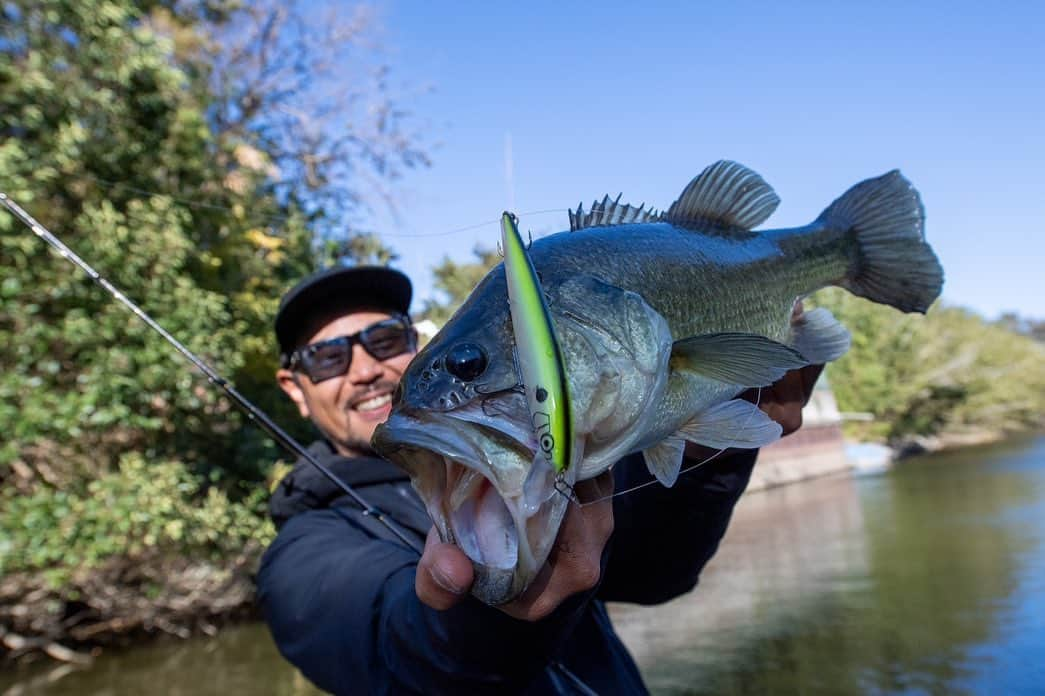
(929, 579)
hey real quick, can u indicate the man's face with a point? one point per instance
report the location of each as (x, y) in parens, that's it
(347, 408)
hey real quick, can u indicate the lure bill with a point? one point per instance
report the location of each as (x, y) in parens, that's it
(542, 369)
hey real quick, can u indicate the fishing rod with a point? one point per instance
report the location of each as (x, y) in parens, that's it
(249, 409)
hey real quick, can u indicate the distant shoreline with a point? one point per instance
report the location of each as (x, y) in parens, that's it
(178, 596)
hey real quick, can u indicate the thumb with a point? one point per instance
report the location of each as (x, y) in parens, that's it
(444, 574)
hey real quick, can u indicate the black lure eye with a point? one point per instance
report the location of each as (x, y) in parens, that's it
(466, 361)
(547, 443)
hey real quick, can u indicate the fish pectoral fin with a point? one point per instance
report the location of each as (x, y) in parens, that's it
(747, 360)
(727, 196)
(664, 459)
(735, 423)
(819, 337)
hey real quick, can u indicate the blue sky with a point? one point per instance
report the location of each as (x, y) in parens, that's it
(614, 97)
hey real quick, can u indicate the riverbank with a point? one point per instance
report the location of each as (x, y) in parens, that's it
(123, 602)
(938, 443)
(819, 450)
(126, 601)
(926, 579)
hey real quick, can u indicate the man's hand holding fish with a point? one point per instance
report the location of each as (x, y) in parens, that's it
(445, 573)
(663, 321)
(679, 354)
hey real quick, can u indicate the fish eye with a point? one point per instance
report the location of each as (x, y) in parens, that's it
(466, 361)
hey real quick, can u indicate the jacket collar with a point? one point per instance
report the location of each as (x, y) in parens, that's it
(305, 488)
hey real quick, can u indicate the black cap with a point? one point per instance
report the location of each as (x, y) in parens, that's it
(341, 287)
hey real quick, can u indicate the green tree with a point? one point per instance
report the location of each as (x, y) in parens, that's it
(455, 281)
(148, 136)
(949, 372)
(95, 117)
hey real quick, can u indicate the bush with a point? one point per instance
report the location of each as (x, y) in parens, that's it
(140, 508)
(947, 372)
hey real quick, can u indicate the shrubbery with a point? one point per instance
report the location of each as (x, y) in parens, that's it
(948, 372)
(140, 508)
(151, 138)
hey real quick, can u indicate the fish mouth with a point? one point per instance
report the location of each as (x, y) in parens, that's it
(470, 470)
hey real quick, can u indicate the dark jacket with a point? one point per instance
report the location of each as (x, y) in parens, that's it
(337, 587)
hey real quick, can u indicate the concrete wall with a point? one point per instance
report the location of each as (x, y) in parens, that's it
(816, 449)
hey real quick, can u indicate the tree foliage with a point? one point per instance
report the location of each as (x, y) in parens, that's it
(948, 372)
(177, 147)
(61, 530)
(455, 281)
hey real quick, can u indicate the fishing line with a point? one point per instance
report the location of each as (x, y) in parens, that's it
(758, 399)
(252, 412)
(286, 218)
(476, 226)
(185, 201)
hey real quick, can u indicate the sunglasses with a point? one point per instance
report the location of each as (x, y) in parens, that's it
(331, 358)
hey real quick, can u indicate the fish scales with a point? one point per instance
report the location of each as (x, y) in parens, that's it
(698, 282)
(663, 320)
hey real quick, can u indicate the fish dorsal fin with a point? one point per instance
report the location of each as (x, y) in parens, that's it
(611, 212)
(726, 195)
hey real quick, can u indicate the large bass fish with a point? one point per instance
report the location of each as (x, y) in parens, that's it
(663, 320)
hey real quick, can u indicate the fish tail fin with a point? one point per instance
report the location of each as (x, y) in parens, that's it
(891, 261)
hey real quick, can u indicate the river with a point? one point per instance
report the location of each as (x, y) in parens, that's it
(928, 579)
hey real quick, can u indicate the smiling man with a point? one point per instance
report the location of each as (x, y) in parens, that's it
(358, 611)
(344, 391)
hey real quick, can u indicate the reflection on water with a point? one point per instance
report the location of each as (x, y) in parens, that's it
(928, 579)
(240, 660)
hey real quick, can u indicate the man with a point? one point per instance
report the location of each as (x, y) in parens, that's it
(356, 609)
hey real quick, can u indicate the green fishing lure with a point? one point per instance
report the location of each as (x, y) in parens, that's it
(542, 369)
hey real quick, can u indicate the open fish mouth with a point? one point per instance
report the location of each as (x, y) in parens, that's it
(466, 506)
(470, 470)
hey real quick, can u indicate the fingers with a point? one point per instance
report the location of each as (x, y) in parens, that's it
(784, 399)
(536, 602)
(786, 409)
(575, 562)
(444, 574)
(809, 375)
(595, 490)
(796, 312)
